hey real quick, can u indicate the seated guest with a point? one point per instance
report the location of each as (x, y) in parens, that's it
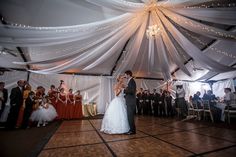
(229, 96)
(209, 96)
(197, 99)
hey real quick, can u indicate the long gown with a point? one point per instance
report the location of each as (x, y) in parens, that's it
(70, 106)
(78, 107)
(61, 106)
(115, 120)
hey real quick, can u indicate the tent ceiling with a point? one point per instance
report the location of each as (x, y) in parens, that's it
(54, 13)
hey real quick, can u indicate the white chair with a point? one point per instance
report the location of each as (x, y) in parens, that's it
(197, 110)
(190, 109)
(207, 109)
(230, 111)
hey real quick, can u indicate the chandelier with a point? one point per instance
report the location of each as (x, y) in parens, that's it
(153, 31)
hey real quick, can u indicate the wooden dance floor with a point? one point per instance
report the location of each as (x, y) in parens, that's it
(161, 137)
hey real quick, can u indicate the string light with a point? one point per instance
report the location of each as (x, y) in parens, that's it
(74, 29)
(213, 5)
(199, 26)
(214, 49)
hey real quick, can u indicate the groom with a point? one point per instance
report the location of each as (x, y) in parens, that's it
(130, 99)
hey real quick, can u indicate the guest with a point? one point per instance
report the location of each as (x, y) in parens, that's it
(3, 97)
(196, 99)
(209, 96)
(16, 101)
(78, 105)
(229, 96)
(61, 104)
(70, 105)
(29, 103)
(180, 98)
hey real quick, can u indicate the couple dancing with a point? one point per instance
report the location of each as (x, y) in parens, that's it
(119, 116)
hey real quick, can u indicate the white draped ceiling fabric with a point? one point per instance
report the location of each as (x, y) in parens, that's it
(86, 46)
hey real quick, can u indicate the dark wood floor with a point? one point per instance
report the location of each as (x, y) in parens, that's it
(161, 137)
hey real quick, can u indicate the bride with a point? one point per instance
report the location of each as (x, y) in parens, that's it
(115, 119)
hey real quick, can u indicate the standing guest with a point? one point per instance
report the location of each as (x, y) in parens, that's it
(3, 97)
(180, 98)
(61, 104)
(52, 93)
(29, 103)
(27, 90)
(16, 101)
(78, 105)
(70, 104)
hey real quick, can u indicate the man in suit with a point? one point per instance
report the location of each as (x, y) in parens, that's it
(155, 98)
(29, 102)
(16, 100)
(5, 97)
(130, 99)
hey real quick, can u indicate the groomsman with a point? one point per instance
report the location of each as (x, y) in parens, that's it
(140, 101)
(155, 98)
(5, 97)
(16, 100)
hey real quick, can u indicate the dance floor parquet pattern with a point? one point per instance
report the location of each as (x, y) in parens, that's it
(162, 137)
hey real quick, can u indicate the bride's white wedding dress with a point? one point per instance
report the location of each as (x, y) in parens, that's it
(115, 119)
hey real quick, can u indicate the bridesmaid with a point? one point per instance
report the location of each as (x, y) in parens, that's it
(61, 104)
(70, 105)
(52, 93)
(78, 106)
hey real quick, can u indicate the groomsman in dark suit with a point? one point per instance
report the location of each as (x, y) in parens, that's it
(140, 101)
(155, 99)
(29, 102)
(5, 97)
(130, 99)
(16, 100)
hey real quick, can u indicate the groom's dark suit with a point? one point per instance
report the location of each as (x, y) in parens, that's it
(130, 98)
